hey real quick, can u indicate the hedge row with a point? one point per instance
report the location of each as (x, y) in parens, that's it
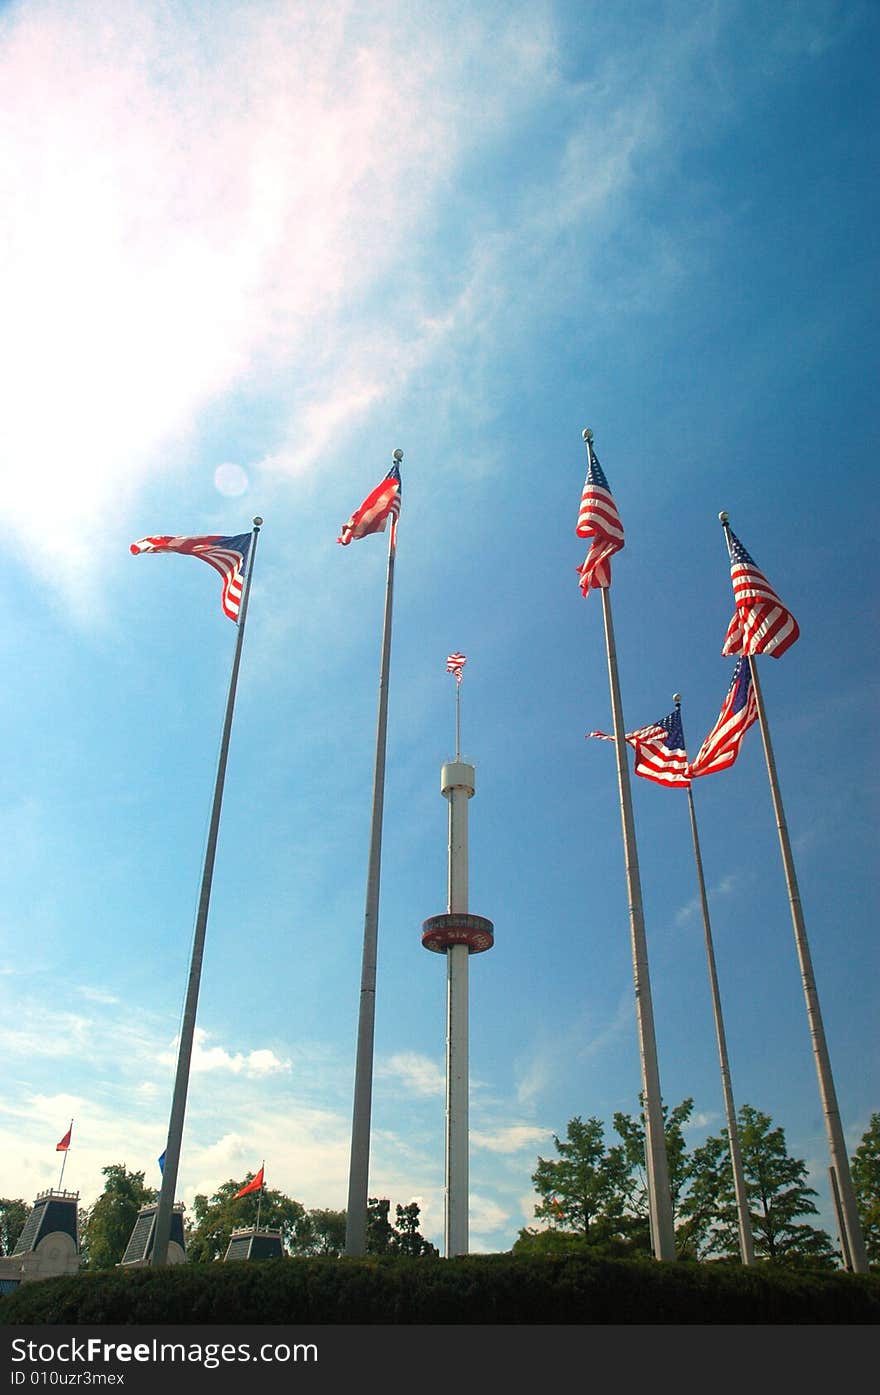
(500, 1288)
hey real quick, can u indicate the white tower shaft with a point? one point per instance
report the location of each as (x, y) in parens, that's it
(457, 784)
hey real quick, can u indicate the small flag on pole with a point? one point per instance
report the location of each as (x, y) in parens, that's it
(761, 624)
(455, 663)
(598, 519)
(660, 751)
(161, 1160)
(225, 555)
(738, 712)
(256, 1185)
(372, 515)
(64, 1144)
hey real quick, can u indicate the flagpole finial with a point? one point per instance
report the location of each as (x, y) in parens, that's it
(587, 434)
(397, 455)
(723, 516)
(676, 698)
(258, 522)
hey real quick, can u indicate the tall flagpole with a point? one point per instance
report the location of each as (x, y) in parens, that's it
(187, 1031)
(359, 1167)
(659, 1197)
(833, 1128)
(744, 1223)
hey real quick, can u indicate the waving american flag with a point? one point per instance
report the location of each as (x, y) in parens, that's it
(761, 624)
(226, 555)
(598, 519)
(454, 664)
(660, 752)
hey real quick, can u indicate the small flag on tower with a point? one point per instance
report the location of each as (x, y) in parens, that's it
(598, 519)
(660, 751)
(225, 555)
(255, 1185)
(761, 624)
(63, 1146)
(738, 712)
(161, 1161)
(454, 664)
(380, 505)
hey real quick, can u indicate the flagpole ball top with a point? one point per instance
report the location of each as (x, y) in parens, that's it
(676, 698)
(587, 434)
(397, 455)
(723, 516)
(258, 522)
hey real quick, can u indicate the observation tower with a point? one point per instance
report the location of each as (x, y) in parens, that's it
(458, 935)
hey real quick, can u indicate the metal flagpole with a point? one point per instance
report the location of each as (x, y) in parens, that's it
(458, 717)
(746, 1244)
(359, 1167)
(187, 1031)
(659, 1197)
(834, 1130)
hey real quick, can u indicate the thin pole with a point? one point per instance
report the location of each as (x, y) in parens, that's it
(458, 717)
(659, 1197)
(64, 1159)
(260, 1197)
(834, 1130)
(359, 1167)
(746, 1244)
(187, 1030)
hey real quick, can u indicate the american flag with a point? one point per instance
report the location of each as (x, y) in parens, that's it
(660, 753)
(225, 555)
(380, 505)
(761, 624)
(598, 519)
(739, 711)
(454, 664)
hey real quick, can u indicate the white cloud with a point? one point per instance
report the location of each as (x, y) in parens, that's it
(216, 1058)
(510, 1139)
(417, 1075)
(192, 203)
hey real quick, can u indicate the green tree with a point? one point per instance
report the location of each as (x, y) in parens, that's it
(380, 1231)
(319, 1232)
(216, 1218)
(865, 1169)
(776, 1190)
(13, 1215)
(632, 1132)
(385, 1239)
(407, 1238)
(107, 1225)
(584, 1189)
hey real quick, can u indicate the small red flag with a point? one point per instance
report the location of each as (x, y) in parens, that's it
(63, 1146)
(254, 1186)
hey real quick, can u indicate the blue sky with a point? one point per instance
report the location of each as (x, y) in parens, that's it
(247, 254)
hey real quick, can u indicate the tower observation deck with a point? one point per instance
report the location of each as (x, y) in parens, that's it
(458, 934)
